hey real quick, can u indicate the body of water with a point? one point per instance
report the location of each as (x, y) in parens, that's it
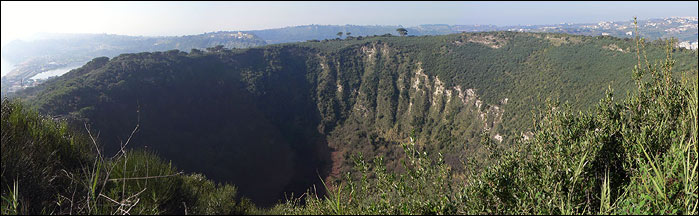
(5, 66)
(55, 72)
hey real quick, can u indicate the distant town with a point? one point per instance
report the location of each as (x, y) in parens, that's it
(682, 28)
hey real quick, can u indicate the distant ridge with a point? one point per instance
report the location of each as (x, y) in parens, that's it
(55, 51)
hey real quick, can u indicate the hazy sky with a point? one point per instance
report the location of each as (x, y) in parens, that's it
(20, 19)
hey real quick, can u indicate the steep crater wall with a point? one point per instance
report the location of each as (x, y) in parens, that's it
(276, 120)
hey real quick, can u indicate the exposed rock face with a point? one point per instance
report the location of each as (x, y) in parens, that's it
(392, 108)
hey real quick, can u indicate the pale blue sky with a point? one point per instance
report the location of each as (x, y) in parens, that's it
(20, 19)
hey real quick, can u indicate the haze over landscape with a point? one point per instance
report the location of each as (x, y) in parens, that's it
(21, 19)
(349, 107)
(30, 20)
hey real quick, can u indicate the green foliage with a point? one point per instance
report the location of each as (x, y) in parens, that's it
(35, 154)
(638, 156)
(425, 187)
(49, 169)
(10, 203)
(402, 31)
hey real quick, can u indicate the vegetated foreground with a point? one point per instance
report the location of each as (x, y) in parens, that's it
(637, 156)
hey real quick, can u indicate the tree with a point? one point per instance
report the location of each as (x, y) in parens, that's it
(339, 34)
(217, 48)
(402, 31)
(348, 34)
(196, 52)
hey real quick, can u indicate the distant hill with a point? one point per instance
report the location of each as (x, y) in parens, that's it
(272, 119)
(66, 51)
(56, 51)
(682, 28)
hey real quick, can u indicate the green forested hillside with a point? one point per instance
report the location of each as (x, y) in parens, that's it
(632, 156)
(66, 51)
(277, 119)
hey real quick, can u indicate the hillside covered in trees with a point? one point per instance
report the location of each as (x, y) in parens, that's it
(55, 51)
(49, 53)
(279, 119)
